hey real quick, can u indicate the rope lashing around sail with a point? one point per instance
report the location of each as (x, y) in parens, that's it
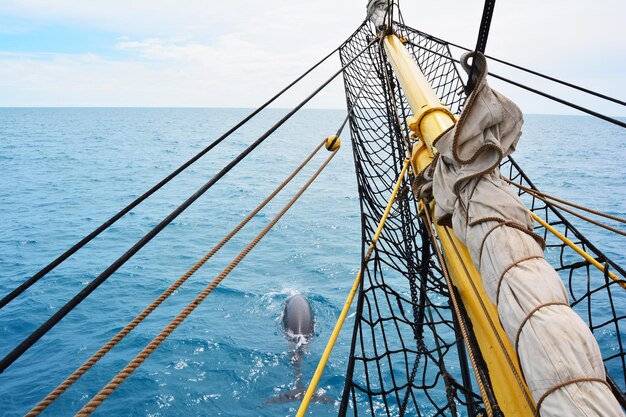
(60, 259)
(546, 198)
(61, 388)
(116, 381)
(84, 293)
(468, 191)
(598, 299)
(533, 90)
(346, 307)
(489, 407)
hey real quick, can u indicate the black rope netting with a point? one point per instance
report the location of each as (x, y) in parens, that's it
(405, 352)
(594, 295)
(407, 356)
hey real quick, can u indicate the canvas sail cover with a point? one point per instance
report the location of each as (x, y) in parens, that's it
(558, 354)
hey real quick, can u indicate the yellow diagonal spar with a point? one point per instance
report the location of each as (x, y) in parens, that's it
(346, 307)
(578, 250)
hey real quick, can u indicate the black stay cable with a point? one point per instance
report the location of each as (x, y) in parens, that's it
(78, 298)
(481, 42)
(533, 72)
(547, 77)
(32, 280)
(533, 90)
(560, 100)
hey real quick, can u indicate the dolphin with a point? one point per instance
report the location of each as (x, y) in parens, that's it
(298, 321)
(298, 325)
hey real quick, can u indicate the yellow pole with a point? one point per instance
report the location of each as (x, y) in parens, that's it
(430, 120)
(346, 307)
(578, 250)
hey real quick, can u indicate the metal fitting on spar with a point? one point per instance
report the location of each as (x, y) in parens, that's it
(333, 143)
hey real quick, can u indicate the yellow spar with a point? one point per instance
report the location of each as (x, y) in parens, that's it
(346, 307)
(430, 120)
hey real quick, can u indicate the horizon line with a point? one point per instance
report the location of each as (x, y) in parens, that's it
(244, 108)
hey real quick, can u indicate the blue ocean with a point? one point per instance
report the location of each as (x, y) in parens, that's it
(64, 171)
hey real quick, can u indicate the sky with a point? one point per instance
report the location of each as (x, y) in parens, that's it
(236, 53)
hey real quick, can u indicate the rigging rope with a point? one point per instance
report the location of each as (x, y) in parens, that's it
(580, 216)
(52, 396)
(585, 255)
(114, 383)
(36, 277)
(538, 194)
(489, 408)
(78, 298)
(61, 388)
(533, 90)
(346, 307)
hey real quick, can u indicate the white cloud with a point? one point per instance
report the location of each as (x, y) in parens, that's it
(238, 53)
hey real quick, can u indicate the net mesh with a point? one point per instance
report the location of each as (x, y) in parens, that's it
(593, 294)
(407, 356)
(406, 349)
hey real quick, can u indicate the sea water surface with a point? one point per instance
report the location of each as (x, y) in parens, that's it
(65, 171)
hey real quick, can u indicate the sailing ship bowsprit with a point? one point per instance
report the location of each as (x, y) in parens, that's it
(459, 311)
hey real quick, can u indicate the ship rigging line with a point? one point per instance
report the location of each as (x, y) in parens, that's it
(489, 408)
(538, 74)
(78, 373)
(532, 90)
(117, 380)
(546, 198)
(84, 293)
(346, 307)
(560, 200)
(61, 388)
(32, 280)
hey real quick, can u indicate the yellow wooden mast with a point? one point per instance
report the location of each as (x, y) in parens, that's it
(430, 120)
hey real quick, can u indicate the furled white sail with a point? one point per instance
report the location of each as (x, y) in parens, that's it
(559, 356)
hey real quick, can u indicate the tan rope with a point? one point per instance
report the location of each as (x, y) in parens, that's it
(508, 268)
(580, 216)
(566, 383)
(61, 388)
(541, 195)
(114, 383)
(457, 312)
(529, 315)
(509, 223)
